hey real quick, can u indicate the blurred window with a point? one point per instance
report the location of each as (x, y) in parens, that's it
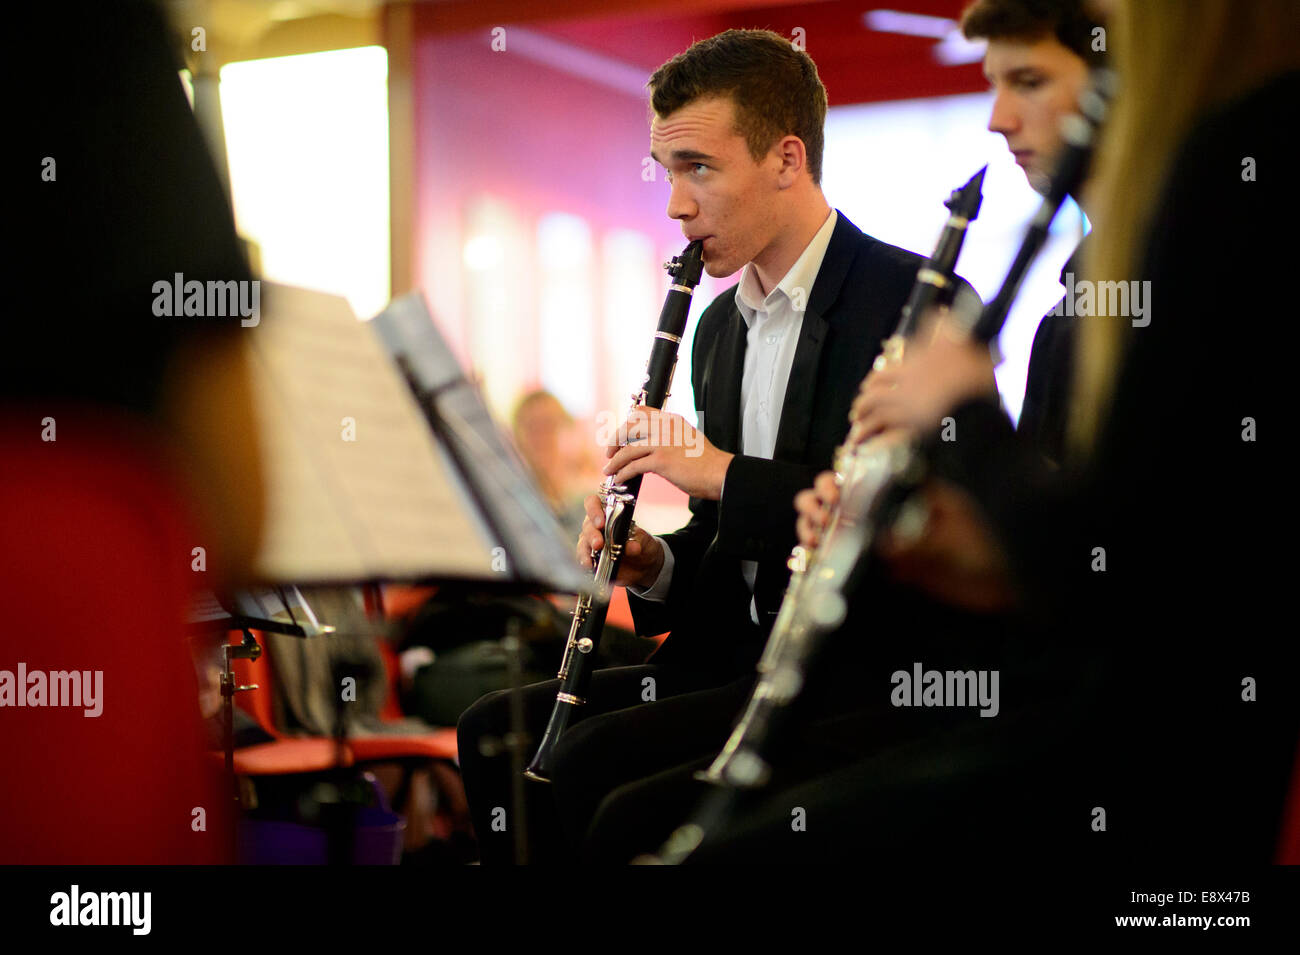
(307, 140)
(890, 166)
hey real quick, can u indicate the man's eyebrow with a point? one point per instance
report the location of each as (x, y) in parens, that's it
(1016, 73)
(683, 155)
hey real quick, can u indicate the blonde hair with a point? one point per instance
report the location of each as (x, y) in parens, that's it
(1176, 59)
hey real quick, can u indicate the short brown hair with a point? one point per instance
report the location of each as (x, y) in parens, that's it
(775, 88)
(1029, 20)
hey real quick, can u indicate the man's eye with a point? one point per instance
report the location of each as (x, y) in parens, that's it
(699, 168)
(1030, 83)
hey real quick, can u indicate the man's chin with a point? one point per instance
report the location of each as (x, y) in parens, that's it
(1039, 181)
(720, 270)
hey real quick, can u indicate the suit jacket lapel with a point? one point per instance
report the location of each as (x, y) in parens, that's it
(722, 391)
(796, 412)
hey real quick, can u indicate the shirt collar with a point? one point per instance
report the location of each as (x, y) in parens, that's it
(801, 275)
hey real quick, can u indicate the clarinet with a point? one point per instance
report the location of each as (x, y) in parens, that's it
(888, 497)
(620, 502)
(897, 504)
(815, 577)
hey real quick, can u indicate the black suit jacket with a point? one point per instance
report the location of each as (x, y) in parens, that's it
(854, 305)
(1045, 415)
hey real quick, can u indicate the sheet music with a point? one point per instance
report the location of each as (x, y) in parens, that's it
(383, 505)
(537, 548)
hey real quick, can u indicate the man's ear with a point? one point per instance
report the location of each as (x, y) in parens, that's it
(794, 160)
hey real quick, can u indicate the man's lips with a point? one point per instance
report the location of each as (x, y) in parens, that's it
(1022, 156)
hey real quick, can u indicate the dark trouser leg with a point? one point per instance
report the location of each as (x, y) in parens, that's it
(485, 766)
(638, 817)
(970, 787)
(608, 751)
(488, 779)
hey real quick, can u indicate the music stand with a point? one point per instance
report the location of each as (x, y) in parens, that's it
(382, 462)
(499, 485)
(246, 611)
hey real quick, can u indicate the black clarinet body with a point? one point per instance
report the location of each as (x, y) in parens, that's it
(620, 504)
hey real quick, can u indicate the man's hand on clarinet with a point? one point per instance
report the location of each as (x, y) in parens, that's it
(940, 369)
(954, 557)
(814, 507)
(643, 556)
(658, 442)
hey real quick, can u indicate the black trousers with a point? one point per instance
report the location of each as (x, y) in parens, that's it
(638, 816)
(1109, 768)
(644, 754)
(622, 736)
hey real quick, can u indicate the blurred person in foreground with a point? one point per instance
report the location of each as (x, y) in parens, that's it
(130, 442)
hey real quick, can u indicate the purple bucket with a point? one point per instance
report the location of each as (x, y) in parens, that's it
(377, 839)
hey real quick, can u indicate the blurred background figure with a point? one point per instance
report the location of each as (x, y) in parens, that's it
(451, 647)
(552, 445)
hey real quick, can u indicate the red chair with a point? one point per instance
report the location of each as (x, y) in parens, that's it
(286, 754)
(436, 744)
(303, 754)
(292, 754)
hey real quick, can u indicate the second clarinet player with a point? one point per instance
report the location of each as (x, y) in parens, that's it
(620, 503)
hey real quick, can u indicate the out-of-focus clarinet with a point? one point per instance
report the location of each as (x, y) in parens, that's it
(896, 502)
(888, 485)
(815, 582)
(620, 502)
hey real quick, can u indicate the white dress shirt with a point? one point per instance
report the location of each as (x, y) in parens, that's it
(773, 322)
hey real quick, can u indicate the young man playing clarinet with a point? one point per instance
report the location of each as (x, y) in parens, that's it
(776, 361)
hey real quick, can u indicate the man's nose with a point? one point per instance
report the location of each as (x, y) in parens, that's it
(681, 205)
(1003, 118)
